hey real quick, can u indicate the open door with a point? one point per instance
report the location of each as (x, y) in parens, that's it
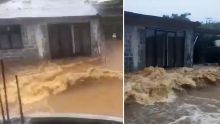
(82, 39)
(60, 39)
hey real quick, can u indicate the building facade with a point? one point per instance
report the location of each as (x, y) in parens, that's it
(44, 29)
(157, 41)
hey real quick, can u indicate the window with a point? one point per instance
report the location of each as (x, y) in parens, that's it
(10, 37)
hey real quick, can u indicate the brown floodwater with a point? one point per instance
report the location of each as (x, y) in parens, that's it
(113, 55)
(93, 97)
(101, 96)
(193, 107)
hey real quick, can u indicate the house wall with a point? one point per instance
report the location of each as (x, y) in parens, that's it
(135, 57)
(188, 53)
(96, 38)
(29, 49)
(36, 40)
(134, 47)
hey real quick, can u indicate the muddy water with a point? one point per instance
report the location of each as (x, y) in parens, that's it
(195, 107)
(113, 55)
(95, 96)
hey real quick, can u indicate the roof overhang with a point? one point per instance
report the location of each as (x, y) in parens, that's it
(158, 22)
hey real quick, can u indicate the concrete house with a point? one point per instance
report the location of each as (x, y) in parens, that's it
(46, 29)
(157, 41)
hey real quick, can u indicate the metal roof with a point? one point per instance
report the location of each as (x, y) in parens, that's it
(158, 22)
(45, 8)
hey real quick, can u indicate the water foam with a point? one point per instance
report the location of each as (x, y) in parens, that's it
(196, 116)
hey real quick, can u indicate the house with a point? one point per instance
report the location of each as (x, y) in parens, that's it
(157, 41)
(45, 29)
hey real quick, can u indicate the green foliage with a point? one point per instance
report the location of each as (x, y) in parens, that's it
(211, 25)
(183, 16)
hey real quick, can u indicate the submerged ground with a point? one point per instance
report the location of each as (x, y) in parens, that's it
(173, 96)
(91, 85)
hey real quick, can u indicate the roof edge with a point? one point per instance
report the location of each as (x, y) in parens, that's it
(132, 16)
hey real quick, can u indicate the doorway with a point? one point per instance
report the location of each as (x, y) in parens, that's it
(68, 40)
(164, 48)
(82, 39)
(60, 40)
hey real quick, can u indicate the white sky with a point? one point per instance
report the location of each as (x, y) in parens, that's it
(199, 9)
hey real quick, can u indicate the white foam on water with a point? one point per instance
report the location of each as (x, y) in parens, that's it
(196, 115)
(179, 120)
(211, 105)
(171, 96)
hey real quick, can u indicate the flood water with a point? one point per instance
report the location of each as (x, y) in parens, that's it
(102, 97)
(92, 96)
(194, 107)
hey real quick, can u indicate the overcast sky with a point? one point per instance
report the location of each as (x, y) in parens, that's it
(199, 9)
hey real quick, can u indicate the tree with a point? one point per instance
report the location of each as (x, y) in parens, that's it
(183, 16)
(211, 25)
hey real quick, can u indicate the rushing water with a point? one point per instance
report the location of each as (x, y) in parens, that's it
(101, 96)
(194, 107)
(94, 97)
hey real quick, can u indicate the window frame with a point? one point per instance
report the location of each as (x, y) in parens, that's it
(9, 34)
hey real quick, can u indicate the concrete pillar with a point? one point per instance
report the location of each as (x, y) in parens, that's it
(45, 43)
(188, 51)
(135, 38)
(39, 40)
(142, 48)
(96, 42)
